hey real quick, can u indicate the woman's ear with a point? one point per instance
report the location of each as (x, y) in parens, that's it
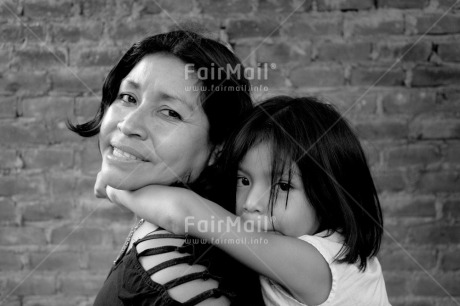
(215, 154)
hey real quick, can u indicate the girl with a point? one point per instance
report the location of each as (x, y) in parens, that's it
(307, 215)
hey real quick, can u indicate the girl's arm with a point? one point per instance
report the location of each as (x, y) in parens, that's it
(293, 263)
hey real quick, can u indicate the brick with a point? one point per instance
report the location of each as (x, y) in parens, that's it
(8, 107)
(381, 128)
(102, 210)
(439, 182)
(95, 8)
(7, 211)
(174, 6)
(406, 4)
(267, 79)
(410, 155)
(423, 76)
(317, 76)
(46, 210)
(433, 24)
(280, 6)
(90, 160)
(374, 23)
(340, 51)
(451, 209)
(397, 102)
(35, 32)
(404, 51)
(21, 185)
(408, 205)
(223, 7)
(34, 284)
(48, 10)
(87, 106)
(78, 235)
(448, 4)
(389, 181)
(62, 184)
(84, 80)
(435, 126)
(36, 57)
(49, 108)
(448, 100)
(89, 31)
(130, 32)
(449, 260)
(101, 260)
(8, 9)
(46, 158)
(5, 56)
(10, 159)
(353, 101)
(449, 51)
(396, 284)
(407, 260)
(452, 153)
(85, 186)
(82, 283)
(94, 57)
(307, 26)
(9, 261)
(250, 28)
(59, 133)
(17, 236)
(56, 300)
(329, 5)
(377, 76)
(394, 235)
(23, 83)
(10, 33)
(20, 132)
(426, 286)
(282, 53)
(432, 233)
(55, 261)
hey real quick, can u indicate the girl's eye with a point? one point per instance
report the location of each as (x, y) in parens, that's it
(284, 186)
(242, 181)
(171, 113)
(126, 98)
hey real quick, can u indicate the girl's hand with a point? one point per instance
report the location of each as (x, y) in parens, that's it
(100, 187)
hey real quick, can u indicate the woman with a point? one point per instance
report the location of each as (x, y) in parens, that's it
(155, 127)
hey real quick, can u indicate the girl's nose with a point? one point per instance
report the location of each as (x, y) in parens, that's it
(133, 124)
(257, 200)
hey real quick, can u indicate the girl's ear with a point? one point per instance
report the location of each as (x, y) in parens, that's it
(215, 154)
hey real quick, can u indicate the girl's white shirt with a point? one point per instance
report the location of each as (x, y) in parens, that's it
(349, 285)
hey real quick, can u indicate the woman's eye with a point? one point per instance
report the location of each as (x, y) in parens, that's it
(171, 113)
(284, 186)
(242, 181)
(126, 98)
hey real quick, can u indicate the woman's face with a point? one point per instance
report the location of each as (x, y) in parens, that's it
(156, 131)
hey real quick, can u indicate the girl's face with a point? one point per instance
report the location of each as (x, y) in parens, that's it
(156, 131)
(254, 183)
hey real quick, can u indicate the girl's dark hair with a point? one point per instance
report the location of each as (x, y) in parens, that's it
(224, 97)
(334, 171)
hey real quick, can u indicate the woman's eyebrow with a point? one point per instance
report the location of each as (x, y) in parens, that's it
(130, 83)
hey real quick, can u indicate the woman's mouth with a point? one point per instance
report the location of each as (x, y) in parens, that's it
(122, 154)
(125, 154)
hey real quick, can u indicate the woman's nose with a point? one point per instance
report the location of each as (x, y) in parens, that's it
(133, 124)
(257, 200)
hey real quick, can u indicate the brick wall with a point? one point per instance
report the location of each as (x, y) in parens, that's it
(392, 66)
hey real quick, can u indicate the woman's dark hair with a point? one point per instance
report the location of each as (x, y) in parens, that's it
(333, 168)
(225, 96)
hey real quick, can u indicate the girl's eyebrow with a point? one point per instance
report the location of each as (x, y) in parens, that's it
(173, 97)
